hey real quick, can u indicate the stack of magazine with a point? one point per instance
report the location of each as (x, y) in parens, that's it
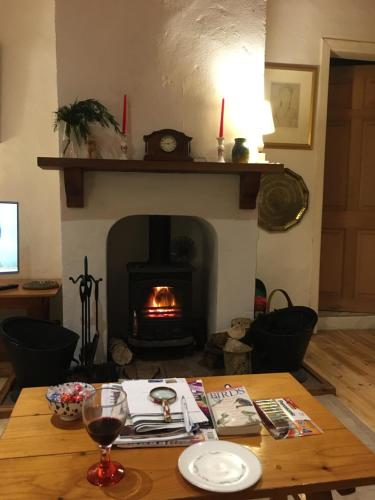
(146, 426)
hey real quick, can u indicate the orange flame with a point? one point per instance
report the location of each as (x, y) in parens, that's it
(161, 296)
(162, 303)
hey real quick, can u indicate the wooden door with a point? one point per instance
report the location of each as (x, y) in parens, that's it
(347, 272)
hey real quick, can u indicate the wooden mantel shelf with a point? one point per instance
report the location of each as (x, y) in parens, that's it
(74, 169)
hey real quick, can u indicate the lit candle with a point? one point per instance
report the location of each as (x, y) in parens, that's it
(124, 129)
(221, 129)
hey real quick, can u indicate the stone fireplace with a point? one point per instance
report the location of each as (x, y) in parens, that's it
(110, 197)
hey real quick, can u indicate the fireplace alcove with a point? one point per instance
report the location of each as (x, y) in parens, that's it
(212, 197)
(139, 261)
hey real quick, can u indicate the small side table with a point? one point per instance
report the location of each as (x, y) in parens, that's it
(35, 303)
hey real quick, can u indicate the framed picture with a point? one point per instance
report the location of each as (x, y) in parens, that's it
(291, 92)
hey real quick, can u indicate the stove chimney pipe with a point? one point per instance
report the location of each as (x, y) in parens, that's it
(159, 238)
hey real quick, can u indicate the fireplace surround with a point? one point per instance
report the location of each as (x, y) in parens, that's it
(211, 198)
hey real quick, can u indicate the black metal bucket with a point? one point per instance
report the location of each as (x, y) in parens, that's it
(39, 351)
(280, 338)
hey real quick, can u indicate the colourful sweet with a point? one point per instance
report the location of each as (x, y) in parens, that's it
(66, 400)
(69, 393)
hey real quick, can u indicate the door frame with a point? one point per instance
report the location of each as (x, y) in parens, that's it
(346, 49)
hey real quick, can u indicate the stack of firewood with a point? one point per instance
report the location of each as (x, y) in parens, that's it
(225, 349)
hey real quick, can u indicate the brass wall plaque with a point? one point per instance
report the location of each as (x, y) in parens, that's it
(283, 200)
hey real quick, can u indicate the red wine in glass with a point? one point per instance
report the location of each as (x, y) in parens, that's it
(104, 430)
(104, 413)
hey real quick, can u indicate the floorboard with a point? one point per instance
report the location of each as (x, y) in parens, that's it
(346, 358)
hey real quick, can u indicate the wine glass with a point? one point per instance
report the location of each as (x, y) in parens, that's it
(104, 413)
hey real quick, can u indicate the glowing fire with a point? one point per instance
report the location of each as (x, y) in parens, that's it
(162, 296)
(162, 303)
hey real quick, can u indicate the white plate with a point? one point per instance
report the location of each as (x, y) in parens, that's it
(219, 466)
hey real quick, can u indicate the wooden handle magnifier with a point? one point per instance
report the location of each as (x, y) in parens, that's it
(164, 396)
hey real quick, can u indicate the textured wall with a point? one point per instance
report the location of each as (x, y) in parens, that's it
(294, 34)
(174, 60)
(106, 49)
(28, 98)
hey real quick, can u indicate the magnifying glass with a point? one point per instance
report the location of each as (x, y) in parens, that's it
(164, 396)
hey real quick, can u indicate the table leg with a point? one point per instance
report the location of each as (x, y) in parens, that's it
(347, 491)
(319, 495)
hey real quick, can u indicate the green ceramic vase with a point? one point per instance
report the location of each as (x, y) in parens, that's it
(240, 153)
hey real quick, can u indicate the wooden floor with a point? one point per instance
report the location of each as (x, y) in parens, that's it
(346, 358)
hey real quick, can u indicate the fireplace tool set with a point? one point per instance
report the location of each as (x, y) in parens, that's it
(86, 285)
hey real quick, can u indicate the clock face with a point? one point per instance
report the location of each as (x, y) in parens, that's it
(168, 143)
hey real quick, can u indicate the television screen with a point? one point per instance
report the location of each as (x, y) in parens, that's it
(9, 237)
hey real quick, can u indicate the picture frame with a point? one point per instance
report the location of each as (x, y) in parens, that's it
(291, 90)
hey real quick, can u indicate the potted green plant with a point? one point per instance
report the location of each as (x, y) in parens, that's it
(77, 119)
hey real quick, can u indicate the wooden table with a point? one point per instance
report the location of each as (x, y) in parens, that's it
(43, 458)
(35, 303)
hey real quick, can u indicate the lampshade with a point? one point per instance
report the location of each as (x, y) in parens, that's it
(266, 119)
(265, 127)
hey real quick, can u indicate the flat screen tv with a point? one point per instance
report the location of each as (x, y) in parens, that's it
(9, 243)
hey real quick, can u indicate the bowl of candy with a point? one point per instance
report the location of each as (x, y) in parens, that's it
(65, 400)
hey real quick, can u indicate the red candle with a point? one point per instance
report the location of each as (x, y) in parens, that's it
(124, 129)
(221, 129)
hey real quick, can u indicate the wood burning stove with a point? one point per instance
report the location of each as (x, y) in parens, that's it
(160, 304)
(160, 294)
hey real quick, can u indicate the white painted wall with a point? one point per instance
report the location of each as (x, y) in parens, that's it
(174, 60)
(115, 47)
(28, 97)
(295, 29)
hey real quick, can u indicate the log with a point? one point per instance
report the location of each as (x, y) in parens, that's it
(236, 357)
(244, 322)
(217, 340)
(213, 358)
(120, 352)
(237, 332)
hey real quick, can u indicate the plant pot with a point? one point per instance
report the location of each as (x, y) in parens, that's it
(70, 148)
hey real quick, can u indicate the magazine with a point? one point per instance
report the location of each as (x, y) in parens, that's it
(197, 389)
(284, 419)
(182, 438)
(233, 412)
